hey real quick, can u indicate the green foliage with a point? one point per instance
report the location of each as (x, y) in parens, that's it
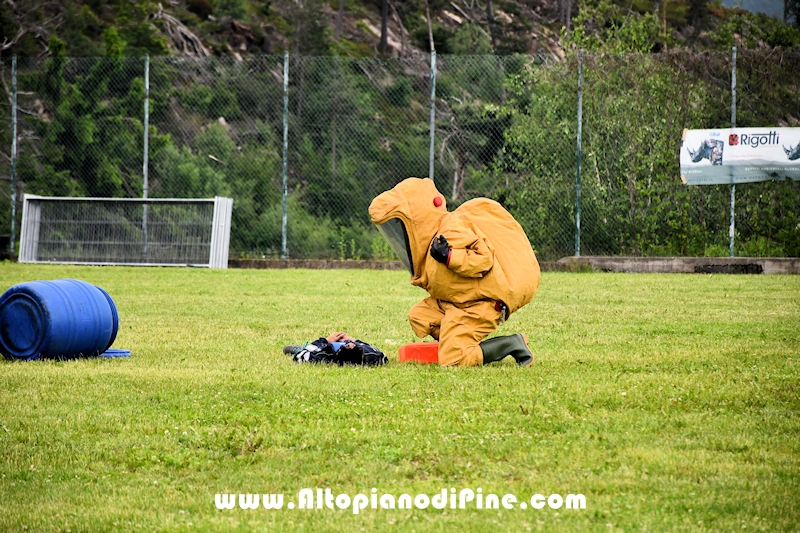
(342, 108)
(212, 101)
(698, 14)
(607, 27)
(185, 173)
(381, 250)
(631, 199)
(308, 236)
(755, 30)
(791, 12)
(231, 8)
(56, 46)
(135, 27)
(635, 117)
(470, 39)
(114, 46)
(512, 37)
(400, 92)
(760, 247)
(310, 31)
(471, 129)
(92, 144)
(85, 29)
(201, 8)
(442, 37)
(354, 49)
(532, 177)
(505, 128)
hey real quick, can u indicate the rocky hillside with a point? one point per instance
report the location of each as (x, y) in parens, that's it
(360, 28)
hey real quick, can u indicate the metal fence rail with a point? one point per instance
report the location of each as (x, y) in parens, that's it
(303, 144)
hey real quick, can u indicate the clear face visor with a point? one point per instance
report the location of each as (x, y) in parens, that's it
(394, 231)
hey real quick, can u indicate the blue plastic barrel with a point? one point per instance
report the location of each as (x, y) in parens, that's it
(63, 318)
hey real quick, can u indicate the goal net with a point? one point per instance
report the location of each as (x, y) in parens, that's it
(126, 231)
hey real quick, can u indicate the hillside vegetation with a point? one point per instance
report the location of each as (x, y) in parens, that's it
(359, 28)
(358, 120)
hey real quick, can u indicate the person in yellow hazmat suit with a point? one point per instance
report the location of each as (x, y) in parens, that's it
(476, 263)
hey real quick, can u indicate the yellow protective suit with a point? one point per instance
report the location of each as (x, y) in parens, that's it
(491, 263)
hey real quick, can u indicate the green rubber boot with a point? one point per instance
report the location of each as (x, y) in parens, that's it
(498, 348)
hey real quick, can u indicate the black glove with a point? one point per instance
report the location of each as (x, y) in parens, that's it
(440, 250)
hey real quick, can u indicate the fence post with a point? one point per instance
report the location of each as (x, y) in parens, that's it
(578, 172)
(733, 125)
(433, 110)
(284, 218)
(146, 157)
(13, 151)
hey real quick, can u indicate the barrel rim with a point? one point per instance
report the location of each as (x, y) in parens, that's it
(44, 325)
(114, 318)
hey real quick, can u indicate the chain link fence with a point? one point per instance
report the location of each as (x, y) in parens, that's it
(502, 127)
(634, 111)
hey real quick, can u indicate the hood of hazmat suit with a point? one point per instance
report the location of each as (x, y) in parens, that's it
(491, 257)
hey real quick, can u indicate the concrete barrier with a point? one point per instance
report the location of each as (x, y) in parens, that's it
(319, 264)
(683, 265)
(663, 265)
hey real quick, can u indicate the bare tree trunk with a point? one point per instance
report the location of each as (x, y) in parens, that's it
(791, 12)
(300, 83)
(383, 46)
(492, 34)
(299, 33)
(430, 28)
(631, 186)
(490, 20)
(402, 31)
(458, 175)
(569, 15)
(333, 148)
(334, 120)
(300, 89)
(502, 70)
(338, 30)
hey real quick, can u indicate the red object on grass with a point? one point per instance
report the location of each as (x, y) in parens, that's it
(419, 352)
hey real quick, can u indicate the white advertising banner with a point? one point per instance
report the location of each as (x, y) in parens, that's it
(739, 155)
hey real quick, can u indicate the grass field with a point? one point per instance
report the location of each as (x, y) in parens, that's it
(672, 402)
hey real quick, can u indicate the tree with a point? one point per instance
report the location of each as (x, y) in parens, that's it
(339, 16)
(92, 144)
(430, 27)
(383, 45)
(791, 12)
(469, 90)
(310, 35)
(698, 14)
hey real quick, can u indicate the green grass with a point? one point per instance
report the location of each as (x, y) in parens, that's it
(671, 402)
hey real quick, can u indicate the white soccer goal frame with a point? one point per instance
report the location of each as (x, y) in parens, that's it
(219, 242)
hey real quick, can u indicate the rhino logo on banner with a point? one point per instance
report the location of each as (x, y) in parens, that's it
(792, 153)
(710, 149)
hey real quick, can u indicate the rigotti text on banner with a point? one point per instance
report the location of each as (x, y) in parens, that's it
(739, 155)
